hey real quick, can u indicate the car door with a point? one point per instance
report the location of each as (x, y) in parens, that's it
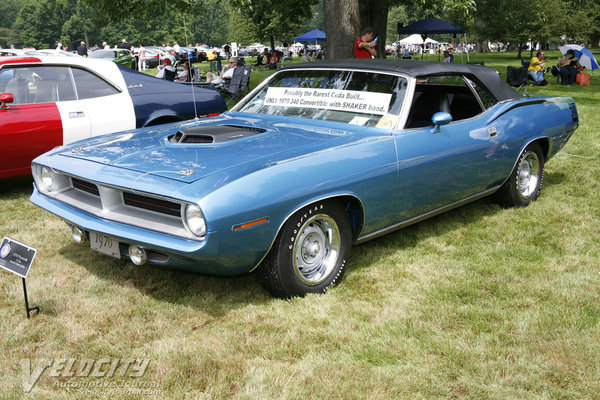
(458, 161)
(109, 107)
(38, 119)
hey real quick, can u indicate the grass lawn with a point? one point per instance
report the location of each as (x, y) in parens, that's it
(481, 303)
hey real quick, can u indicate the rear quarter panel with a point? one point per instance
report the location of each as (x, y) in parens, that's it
(550, 119)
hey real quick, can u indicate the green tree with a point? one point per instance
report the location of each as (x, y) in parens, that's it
(317, 21)
(10, 10)
(122, 10)
(397, 14)
(79, 25)
(39, 23)
(274, 18)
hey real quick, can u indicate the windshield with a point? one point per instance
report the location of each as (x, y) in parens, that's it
(353, 97)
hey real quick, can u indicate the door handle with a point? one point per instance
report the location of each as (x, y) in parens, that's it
(76, 114)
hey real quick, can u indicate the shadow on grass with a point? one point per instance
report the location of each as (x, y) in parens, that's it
(440, 225)
(214, 295)
(412, 235)
(553, 179)
(12, 187)
(218, 295)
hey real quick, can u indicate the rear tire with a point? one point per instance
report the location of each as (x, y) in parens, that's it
(310, 252)
(525, 182)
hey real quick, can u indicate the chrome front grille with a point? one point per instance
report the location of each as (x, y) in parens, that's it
(152, 204)
(85, 186)
(126, 206)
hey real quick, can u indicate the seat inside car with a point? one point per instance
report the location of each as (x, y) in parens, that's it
(18, 87)
(425, 104)
(47, 91)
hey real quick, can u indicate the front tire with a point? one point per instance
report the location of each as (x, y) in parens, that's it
(525, 182)
(310, 253)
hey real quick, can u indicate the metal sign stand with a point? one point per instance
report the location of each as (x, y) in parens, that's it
(17, 258)
(29, 309)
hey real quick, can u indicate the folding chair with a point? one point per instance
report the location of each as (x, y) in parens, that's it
(516, 77)
(238, 86)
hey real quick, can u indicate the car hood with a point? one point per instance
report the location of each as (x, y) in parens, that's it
(271, 140)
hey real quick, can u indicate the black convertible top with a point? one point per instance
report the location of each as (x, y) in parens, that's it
(489, 77)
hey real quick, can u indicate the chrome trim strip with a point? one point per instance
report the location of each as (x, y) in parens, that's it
(425, 216)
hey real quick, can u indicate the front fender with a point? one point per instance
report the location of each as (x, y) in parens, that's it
(366, 172)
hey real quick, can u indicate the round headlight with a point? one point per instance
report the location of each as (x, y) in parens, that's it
(195, 220)
(47, 177)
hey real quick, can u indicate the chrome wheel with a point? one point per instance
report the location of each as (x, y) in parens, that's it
(528, 175)
(525, 181)
(310, 252)
(316, 249)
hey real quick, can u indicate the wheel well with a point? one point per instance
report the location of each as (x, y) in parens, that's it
(545, 145)
(162, 120)
(355, 212)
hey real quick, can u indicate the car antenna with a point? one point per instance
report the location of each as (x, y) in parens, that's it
(193, 95)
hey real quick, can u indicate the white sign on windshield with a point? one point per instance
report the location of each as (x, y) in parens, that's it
(329, 99)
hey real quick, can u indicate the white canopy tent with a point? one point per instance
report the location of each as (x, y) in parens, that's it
(416, 39)
(259, 47)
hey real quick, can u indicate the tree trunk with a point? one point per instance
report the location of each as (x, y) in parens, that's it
(482, 45)
(342, 27)
(374, 14)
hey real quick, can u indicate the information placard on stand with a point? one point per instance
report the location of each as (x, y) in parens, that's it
(17, 258)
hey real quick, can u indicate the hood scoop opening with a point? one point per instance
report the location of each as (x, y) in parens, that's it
(214, 134)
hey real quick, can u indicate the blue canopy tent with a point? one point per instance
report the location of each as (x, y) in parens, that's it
(311, 36)
(431, 25)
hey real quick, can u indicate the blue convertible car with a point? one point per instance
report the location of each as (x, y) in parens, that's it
(317, 158)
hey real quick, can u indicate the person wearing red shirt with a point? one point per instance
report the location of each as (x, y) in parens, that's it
(363, 47)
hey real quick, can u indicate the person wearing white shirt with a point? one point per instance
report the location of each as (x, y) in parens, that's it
(226, 72)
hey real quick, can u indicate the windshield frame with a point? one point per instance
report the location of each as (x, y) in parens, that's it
(400, 116)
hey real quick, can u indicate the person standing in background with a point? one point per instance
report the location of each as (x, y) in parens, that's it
(125, 45)
(142, 58)
(82, 50)
(364, 46)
